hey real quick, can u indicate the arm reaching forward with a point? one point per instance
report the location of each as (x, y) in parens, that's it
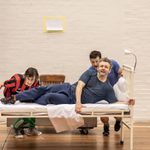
(129, 102)
(79, 89)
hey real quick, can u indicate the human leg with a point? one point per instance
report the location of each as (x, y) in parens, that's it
(59, 88)
(31, 95)
(53, 98)
(26, 96)
(117, 125)
(30, 128)
(105, 121)
(26, 125)
(18, 126)
(35, 93)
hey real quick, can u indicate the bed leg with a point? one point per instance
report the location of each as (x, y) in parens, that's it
(122, 133)
(131, 127)
(131, 134)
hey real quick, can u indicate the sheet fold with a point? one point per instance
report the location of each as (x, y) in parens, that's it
(64, 118)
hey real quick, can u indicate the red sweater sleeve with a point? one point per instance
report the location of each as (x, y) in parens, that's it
(10, 83)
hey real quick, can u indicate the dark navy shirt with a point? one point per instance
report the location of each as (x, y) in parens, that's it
(95, 90)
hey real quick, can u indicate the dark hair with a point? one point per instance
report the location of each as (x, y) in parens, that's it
(105, 59)
(32, 72)
(95, 54)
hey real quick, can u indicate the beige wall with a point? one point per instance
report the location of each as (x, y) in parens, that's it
(109, 26)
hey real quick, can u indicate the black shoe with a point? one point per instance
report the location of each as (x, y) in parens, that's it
(117, 125)
(106, 130)
(8, 100)
(18, 133)
(32, 131)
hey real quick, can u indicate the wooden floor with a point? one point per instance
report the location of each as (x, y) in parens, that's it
(49, 140)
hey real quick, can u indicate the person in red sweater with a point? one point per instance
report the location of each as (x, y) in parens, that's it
(16, 84)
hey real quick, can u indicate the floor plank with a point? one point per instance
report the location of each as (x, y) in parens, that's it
(74, 141)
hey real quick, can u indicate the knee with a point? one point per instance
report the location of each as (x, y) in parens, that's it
(104, 119)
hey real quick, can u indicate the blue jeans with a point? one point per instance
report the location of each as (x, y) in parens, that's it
(51, 94)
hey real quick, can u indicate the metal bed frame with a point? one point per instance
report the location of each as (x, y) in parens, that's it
(89, 113)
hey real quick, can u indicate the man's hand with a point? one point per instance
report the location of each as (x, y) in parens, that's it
(1, 85)
(131, 102)
(78, 107)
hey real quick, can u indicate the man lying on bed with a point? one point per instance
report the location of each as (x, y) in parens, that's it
(91, 90)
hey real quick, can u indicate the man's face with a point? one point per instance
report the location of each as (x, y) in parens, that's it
(104, 68)
(95, 62)
(29, 81)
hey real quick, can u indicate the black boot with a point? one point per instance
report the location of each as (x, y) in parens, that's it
(8, 100)
(117, 125)
(106, 129)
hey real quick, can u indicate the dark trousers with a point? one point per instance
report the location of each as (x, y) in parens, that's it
(51, 94)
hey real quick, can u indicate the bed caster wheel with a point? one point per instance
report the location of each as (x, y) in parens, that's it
(84, 131)
(121, 142)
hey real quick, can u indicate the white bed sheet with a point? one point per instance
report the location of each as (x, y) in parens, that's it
(102, 107)
(22, 107)
(27, 107)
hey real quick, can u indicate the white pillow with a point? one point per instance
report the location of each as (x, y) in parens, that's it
(122, 84)
(121, 89)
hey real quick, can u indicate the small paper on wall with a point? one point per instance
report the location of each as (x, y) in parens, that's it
(54, 24)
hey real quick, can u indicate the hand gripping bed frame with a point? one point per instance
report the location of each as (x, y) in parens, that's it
(89, 114)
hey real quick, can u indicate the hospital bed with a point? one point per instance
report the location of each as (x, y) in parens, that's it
(124, 111)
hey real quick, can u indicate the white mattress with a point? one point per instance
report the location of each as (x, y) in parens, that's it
(22, 107)
(32, 107)
(118, 107)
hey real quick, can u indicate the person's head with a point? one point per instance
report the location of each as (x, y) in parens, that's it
(31, 76)
(105, 66)
(95, 57)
